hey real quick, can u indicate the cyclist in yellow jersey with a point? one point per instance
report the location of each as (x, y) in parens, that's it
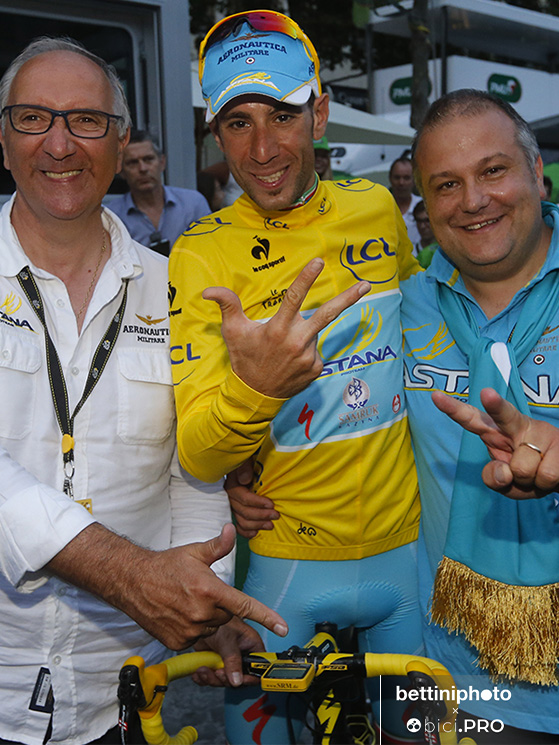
(314, 397)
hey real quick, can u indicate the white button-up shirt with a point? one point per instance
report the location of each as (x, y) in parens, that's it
(125, 463)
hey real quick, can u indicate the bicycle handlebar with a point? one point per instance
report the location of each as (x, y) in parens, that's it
(153, 682)
(144, 688)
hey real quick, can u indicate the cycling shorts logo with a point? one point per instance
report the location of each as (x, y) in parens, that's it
(356, 394)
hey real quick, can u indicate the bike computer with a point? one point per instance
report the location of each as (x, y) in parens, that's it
(288, 676)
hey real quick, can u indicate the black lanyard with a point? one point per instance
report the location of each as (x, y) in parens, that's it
(56, 375)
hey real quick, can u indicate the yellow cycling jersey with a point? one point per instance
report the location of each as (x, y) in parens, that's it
(336, 458)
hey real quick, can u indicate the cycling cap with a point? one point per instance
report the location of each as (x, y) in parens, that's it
(260, 52)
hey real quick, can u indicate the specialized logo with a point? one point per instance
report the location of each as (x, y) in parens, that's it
(356, 394)
(353, 257)
(396, 403)
(328, 714)
(260, 711)
(305, 417)
(11, 304)
(248, 78)
(171, 295)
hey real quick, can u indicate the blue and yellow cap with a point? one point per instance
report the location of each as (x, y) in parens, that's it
(260, 52)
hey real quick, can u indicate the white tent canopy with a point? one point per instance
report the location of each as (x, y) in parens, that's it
(346, 124)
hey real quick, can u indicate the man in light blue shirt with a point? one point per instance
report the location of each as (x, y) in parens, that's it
(154, 214)
(480, 172)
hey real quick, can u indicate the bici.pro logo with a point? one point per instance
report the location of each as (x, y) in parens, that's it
(426, 697)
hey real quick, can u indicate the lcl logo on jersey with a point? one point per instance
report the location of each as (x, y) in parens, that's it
(353, 256)
(271, 223)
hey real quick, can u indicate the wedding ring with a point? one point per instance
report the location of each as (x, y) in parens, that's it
(532, 447)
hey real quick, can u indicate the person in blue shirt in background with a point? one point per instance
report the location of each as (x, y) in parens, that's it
(154, 214)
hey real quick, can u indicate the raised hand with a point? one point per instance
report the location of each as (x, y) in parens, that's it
(524, 451)
(279, 358)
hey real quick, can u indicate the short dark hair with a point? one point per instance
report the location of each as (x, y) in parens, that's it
(142, 135)
(402, 159)
(469, 102)
(419, 207)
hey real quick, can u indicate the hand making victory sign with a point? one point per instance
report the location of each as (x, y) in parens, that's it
(524, 451)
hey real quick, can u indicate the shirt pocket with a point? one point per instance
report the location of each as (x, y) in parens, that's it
(20, 361)
(146, 404)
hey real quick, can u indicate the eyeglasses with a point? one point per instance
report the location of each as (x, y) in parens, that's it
(260, 20)
(36, 120)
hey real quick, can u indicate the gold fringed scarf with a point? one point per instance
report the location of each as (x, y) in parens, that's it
(514, 628)
(498, 582)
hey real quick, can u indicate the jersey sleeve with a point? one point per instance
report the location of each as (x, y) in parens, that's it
(221, 421)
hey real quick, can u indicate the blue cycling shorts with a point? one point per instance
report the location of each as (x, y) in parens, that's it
(378, 595)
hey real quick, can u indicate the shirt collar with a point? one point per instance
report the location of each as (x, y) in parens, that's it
(124, 258)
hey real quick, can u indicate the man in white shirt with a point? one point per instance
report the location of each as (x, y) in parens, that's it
(94, 513)
(401, 186)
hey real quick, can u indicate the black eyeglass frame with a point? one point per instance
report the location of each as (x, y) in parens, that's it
(64, 114)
